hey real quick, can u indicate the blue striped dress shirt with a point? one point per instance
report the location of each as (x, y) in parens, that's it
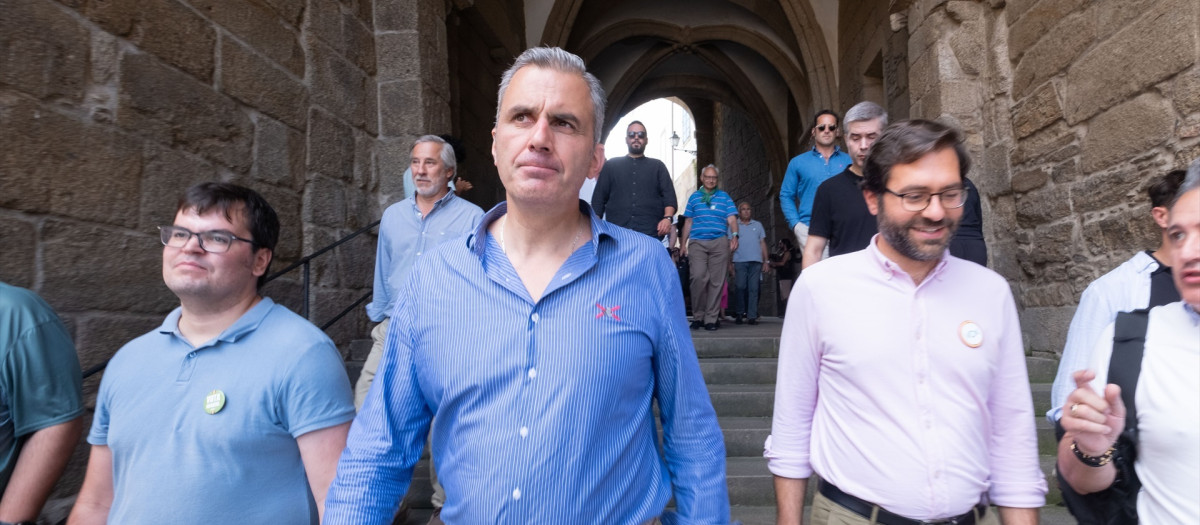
(543, 408)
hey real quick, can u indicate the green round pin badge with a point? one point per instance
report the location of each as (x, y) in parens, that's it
(214, 402)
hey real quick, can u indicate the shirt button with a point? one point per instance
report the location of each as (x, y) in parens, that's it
(524, 431)
(534, 317)
(532, 373)
(516, 493)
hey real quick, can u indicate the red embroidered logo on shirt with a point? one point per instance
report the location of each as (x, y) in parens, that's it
(608, 312)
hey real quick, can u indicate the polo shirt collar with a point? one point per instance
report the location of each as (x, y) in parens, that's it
(245, 324)
(891, 269)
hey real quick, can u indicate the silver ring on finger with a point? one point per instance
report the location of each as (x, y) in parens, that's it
(1073, 408)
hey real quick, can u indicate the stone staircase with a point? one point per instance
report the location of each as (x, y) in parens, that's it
(739, 367)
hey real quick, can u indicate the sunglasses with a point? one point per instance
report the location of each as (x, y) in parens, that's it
(830, 127)
(636, 134)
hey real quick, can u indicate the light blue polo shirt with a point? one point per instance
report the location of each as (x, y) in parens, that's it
(175, 463)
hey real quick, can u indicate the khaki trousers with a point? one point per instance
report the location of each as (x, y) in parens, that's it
(825, 512)
(708, 262)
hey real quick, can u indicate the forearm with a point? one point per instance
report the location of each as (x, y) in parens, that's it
(1016, 516)
(789, 500)
(812, 251)
(787, 199)
(38, 467)
(96, 496)
(1082, 478)
(319, 451)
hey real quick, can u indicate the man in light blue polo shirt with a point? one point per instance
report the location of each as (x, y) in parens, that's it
(235, 409)
(807, 171)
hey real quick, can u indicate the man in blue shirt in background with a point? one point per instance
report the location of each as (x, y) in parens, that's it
(548, 337)
(410, 228)
(807, 171)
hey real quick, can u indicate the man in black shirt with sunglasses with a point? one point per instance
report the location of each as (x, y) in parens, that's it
(636, 191)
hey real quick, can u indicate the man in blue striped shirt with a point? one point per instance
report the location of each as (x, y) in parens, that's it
(547, 338)
(709, 236)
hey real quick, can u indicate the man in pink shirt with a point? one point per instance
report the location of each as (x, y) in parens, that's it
(902, 381)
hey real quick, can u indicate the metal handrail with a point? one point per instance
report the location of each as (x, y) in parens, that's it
(303, 262)
(307, 259)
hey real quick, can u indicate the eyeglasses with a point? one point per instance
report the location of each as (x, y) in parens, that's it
(919, 200)
(212, 241)
(636, 134)
(829, 127)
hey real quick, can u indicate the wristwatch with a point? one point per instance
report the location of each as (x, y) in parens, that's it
(734, 234)
(668, 217)
(18, 523)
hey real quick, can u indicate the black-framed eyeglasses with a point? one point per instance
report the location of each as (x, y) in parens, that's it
(212, 241)
(919, 200)
(827, 127)
(636, 134)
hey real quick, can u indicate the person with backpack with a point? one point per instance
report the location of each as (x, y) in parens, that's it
(1135, 437)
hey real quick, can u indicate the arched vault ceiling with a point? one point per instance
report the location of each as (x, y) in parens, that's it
(684, 38)
(786, 33)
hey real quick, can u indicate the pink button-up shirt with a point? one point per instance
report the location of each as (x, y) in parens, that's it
(913, 397)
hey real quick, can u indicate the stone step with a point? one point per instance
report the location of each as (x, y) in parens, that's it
(763, 515)
(1041, 398)
(742, 400)
(733, 345)
(739, 370)
(750, 483)
(1041, 369)
(1047, 445)
(744, 436)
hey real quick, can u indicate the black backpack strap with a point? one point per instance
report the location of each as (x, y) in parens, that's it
(1125, 365)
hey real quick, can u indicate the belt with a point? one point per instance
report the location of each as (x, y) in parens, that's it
(883, 517)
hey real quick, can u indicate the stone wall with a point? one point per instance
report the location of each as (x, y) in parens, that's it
(1099, 109)
(746, 175)
(1069, 109)
(109, 109)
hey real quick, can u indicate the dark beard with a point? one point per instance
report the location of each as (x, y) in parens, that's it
(896, 235)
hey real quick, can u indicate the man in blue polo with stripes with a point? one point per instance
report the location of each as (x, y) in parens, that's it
(710, 235)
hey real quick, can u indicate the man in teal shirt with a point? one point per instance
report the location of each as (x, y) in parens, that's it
(40, 404)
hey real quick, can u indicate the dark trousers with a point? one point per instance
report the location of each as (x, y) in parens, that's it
(746, 283)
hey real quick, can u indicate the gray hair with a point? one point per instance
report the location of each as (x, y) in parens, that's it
(557, 59)
(1192, 180)
(448, 158)
(713, 167)
(867, 110)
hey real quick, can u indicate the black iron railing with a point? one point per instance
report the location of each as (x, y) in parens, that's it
(306, 265)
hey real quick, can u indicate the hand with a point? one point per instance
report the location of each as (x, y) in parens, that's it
(1095, 421)
(766, 268)
(664, 226)
(683, 249)
(733, 244)
(462, 185)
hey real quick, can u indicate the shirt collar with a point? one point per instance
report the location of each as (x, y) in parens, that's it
(245, 324)
(1144, 262)
(477, 241)
(440, 202)
(836, 149)
(1192, 314)
(891, 269)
